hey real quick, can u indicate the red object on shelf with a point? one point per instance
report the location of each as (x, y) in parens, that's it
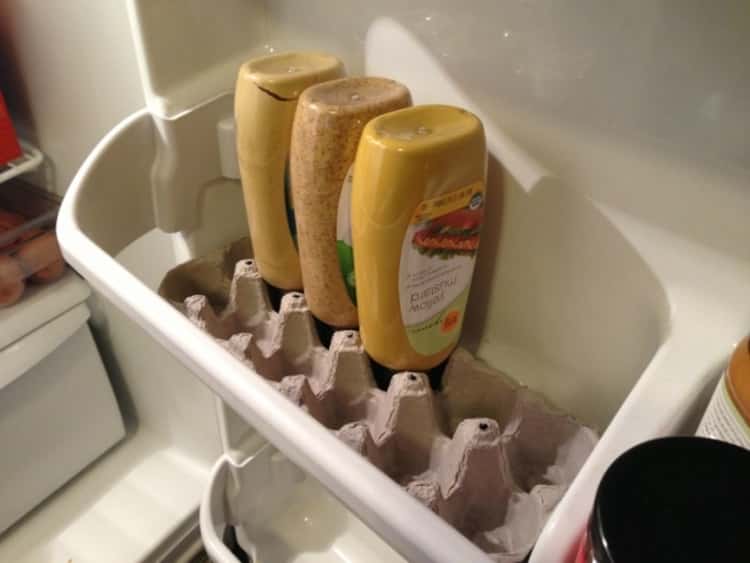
(584, 549)
(9, 147)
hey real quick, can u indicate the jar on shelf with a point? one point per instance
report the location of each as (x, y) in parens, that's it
(681, 499)
(727, 417)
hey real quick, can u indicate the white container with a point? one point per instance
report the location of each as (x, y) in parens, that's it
(57, 409)
(281, 515)
(604, 283)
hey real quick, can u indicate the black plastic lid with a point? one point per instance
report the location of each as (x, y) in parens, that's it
(676, 500)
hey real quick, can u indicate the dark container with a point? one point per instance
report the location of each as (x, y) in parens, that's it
(672, 500)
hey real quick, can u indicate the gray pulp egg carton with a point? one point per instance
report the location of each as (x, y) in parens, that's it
(486, 454)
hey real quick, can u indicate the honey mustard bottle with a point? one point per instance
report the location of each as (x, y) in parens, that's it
(265, 100)
(417, 209)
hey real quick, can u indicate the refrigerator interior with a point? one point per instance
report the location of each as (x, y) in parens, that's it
(613, 278)
(139, 500)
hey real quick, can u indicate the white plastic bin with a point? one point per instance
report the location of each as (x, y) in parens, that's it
(609, 305)
(281, 515)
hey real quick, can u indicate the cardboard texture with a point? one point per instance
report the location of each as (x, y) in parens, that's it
(485, 453)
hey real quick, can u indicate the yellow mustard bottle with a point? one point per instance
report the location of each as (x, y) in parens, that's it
(417, 209)
(327, 127)
(265, 100)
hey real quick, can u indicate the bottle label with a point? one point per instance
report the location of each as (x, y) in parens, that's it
(722, 420)
(344, 235)
(437, 263)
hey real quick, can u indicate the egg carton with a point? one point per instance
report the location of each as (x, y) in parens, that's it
(486, 454)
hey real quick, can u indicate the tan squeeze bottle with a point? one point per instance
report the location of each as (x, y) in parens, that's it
(265, 101)
(417, 208)
(327, 128)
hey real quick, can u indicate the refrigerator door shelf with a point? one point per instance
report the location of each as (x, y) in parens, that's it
(621, 322)
(108, 206)
(281, 515)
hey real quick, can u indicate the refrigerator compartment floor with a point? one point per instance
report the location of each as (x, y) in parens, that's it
(118, 510)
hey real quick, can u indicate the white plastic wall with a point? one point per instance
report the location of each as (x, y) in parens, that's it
(667, 74)
(69, 72)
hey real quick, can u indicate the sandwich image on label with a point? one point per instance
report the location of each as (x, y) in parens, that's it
(456, 233)
(417, 211)
(327, 127)
(265, 101)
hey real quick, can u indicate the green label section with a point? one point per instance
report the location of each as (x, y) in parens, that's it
(346, 262)
(344, 236)
(438, 332)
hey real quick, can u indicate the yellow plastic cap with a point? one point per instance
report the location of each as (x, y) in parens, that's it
(286, 75)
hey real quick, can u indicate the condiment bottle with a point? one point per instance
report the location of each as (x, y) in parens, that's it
(671, 499)
(327, 127)
(728, 414)
(265, 99)
(417, 206)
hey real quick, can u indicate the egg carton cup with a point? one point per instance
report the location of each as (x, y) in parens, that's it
(486, 454)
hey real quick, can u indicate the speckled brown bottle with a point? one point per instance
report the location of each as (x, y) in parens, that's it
(326, 131)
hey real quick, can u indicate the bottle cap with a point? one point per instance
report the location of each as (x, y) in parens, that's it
(286, 75)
